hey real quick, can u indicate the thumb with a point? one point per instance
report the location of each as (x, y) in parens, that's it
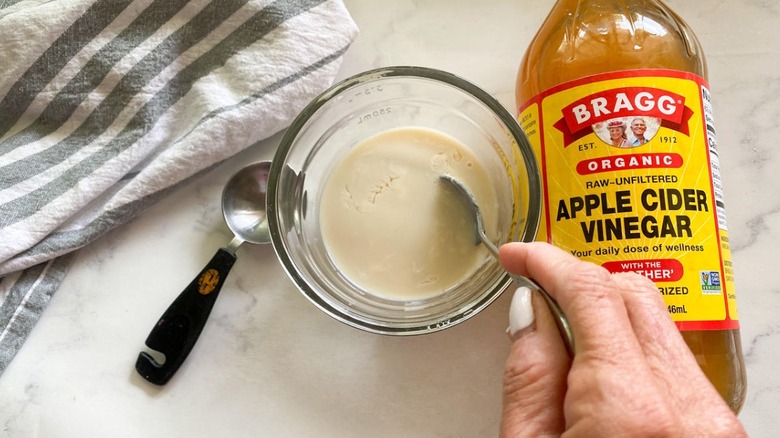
(535, 372)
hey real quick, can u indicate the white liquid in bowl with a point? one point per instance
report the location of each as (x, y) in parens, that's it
(392, 227)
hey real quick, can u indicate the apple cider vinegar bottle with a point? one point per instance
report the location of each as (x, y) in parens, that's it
(613, 96)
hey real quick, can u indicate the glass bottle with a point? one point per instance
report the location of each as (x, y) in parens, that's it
(607, 62)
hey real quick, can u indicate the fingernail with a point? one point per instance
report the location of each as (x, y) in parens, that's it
(521, 312)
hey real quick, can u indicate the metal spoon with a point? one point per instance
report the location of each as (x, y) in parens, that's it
(174, 335)
(479, 234)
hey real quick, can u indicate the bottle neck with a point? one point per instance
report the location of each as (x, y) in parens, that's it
(586, 37)
(607, 4)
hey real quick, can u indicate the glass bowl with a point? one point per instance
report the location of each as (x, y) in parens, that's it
(358, 108)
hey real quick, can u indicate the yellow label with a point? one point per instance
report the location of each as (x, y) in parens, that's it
(208, 281)
(631, 182)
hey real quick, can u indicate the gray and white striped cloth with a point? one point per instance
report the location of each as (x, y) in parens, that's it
(106, 106)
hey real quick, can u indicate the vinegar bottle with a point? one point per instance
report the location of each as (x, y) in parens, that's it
(613, 96)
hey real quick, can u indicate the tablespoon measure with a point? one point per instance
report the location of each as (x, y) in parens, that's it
(177, 330)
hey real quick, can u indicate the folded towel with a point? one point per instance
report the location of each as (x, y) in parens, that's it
(106, 106)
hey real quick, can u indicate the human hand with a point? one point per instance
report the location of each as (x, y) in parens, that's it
(632, 374)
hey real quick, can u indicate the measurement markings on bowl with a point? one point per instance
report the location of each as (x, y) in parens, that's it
(366, 92)
(374, 114)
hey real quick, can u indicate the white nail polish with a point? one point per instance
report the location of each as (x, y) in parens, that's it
(521, 312)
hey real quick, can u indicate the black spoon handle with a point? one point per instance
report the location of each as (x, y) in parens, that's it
(179, 327)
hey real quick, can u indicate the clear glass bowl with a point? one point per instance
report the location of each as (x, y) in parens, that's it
(355, 109)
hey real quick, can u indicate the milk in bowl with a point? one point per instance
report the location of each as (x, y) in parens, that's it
(389, 224)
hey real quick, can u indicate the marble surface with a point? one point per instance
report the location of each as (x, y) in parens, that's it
(270, 364)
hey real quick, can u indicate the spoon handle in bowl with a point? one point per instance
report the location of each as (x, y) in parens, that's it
(180, 325)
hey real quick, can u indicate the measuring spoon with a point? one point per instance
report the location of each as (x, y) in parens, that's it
(177, 330)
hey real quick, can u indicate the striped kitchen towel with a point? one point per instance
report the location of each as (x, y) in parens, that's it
(106, 106)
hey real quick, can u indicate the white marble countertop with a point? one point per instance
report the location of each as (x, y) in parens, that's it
(270, 364)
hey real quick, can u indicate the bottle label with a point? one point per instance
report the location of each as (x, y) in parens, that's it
(631, 182)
